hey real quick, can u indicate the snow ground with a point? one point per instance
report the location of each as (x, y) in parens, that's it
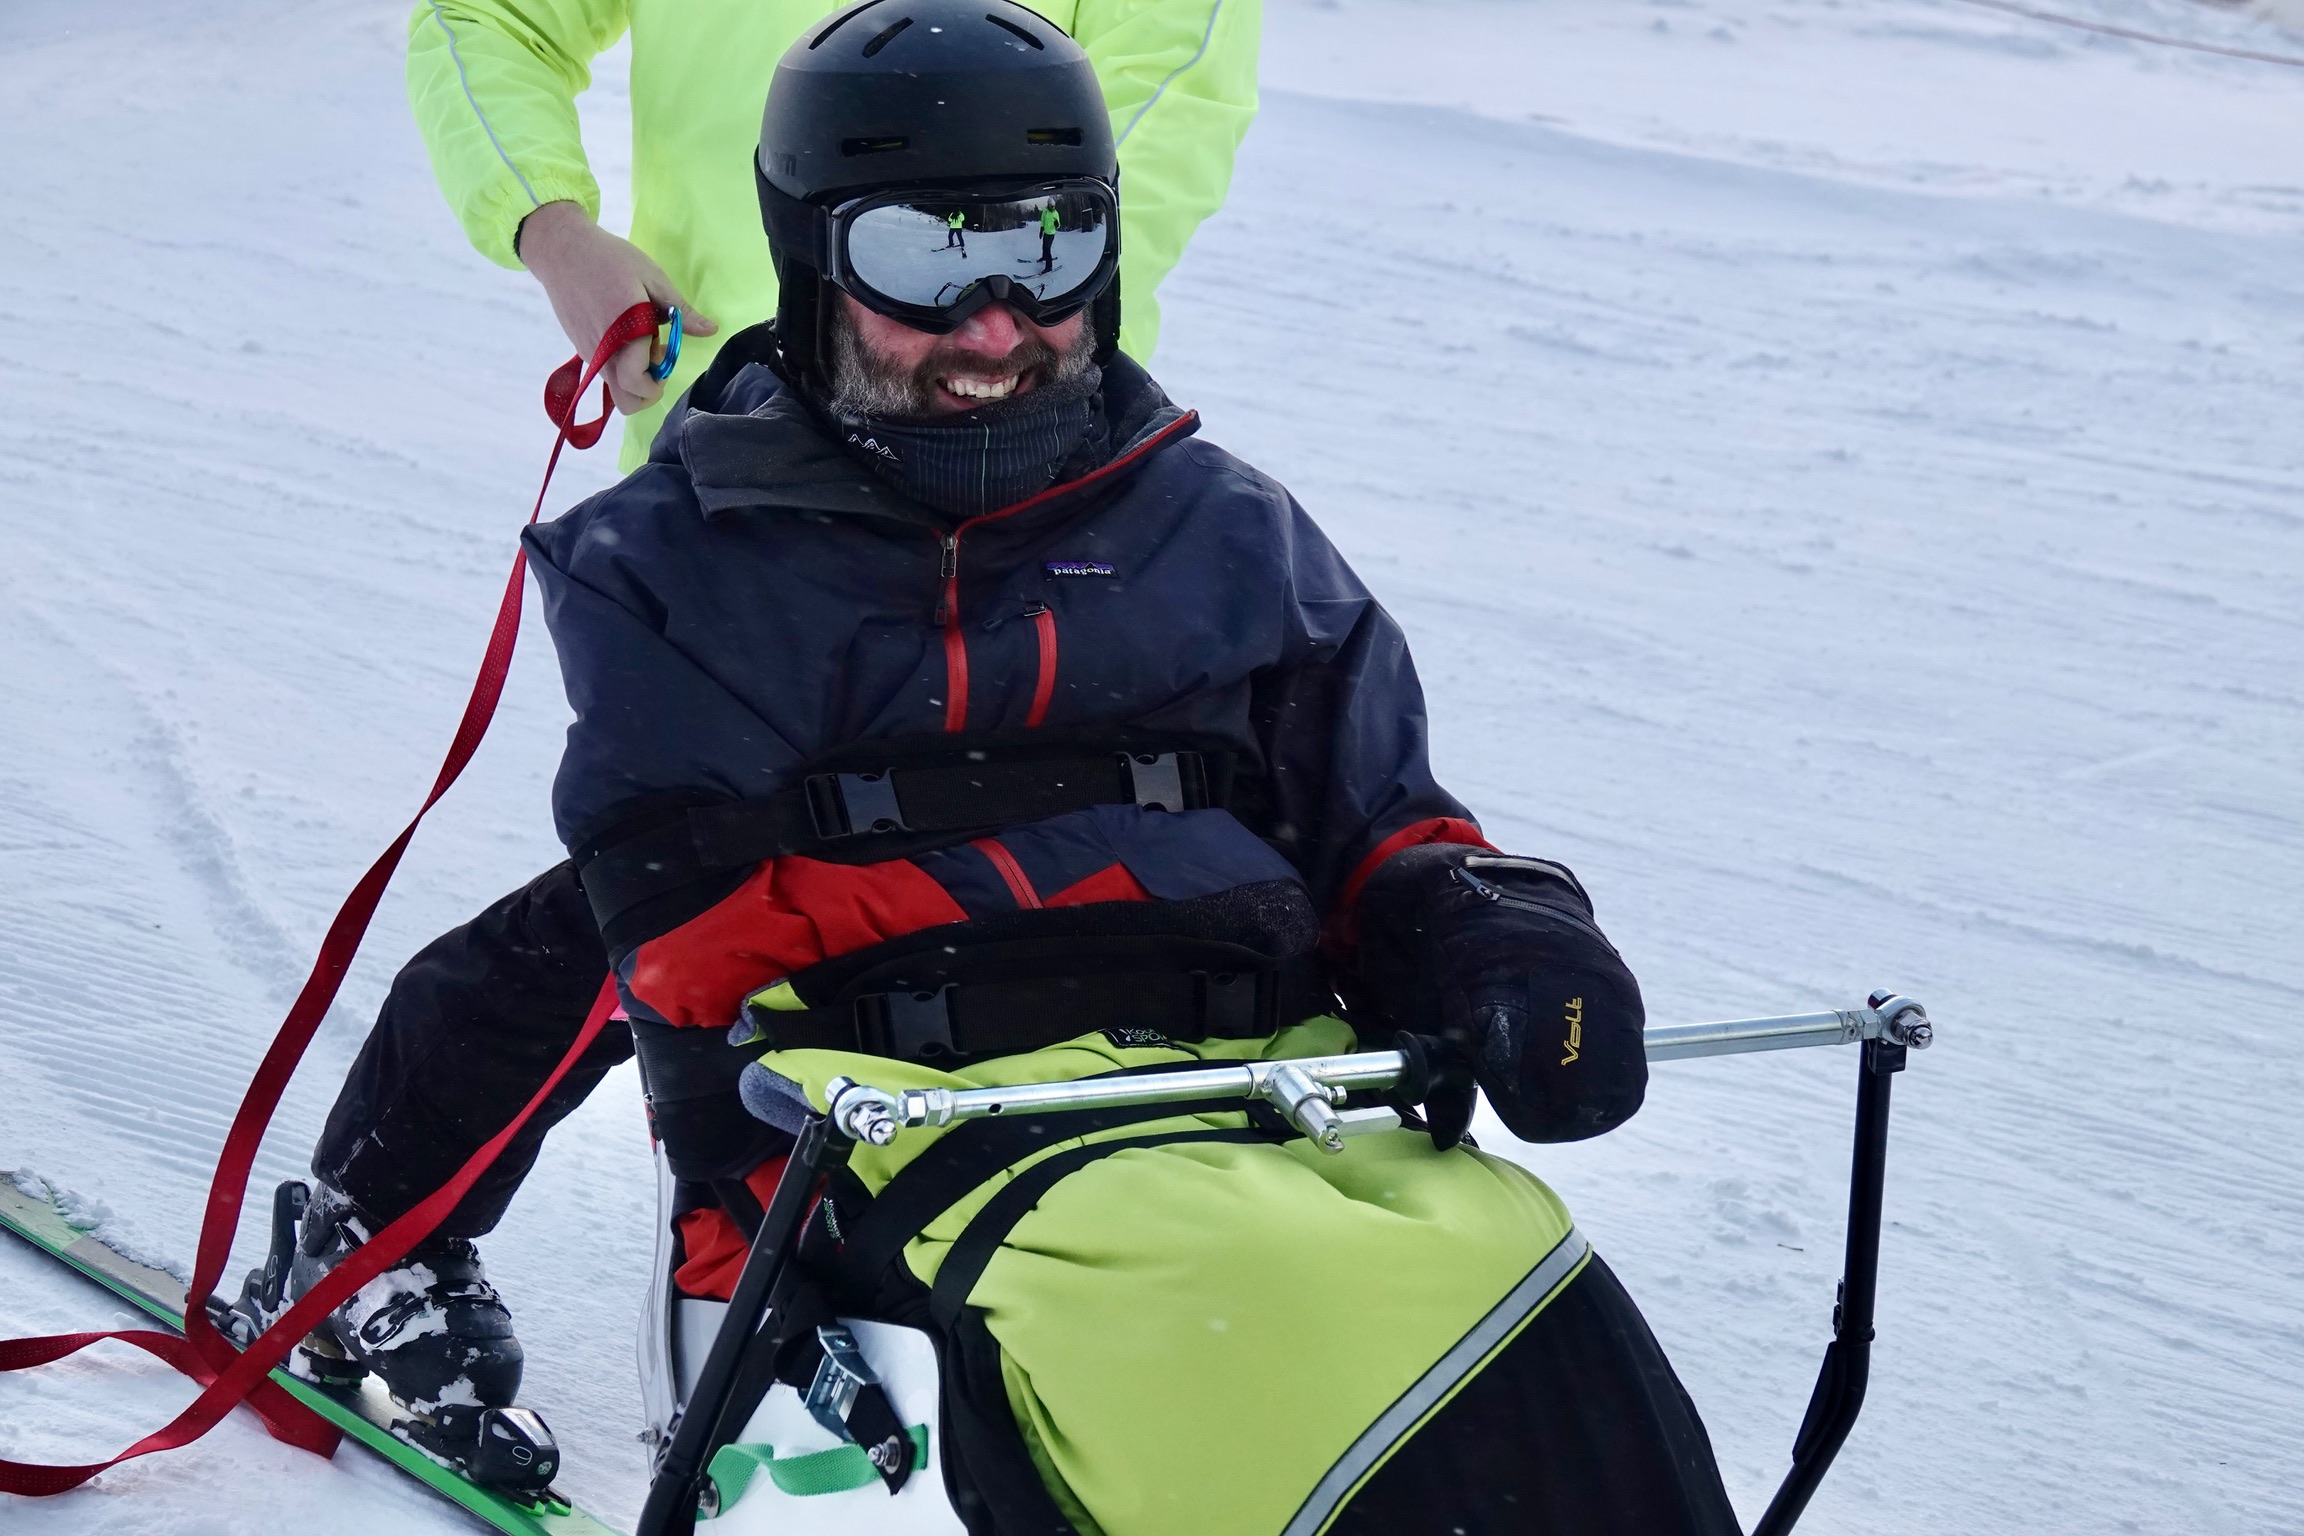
(1837, 463)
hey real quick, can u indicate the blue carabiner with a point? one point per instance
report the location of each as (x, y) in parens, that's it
(663, 370)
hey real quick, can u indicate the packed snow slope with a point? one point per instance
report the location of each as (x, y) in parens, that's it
(1839, 466)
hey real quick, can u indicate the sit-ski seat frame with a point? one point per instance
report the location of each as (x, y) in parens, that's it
(1309, 1093)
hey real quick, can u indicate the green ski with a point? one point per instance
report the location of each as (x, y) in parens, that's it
(366, 1416)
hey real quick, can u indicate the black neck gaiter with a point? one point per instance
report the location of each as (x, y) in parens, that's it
(967, 465)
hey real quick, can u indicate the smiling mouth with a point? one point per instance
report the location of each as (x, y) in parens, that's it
(980, 391)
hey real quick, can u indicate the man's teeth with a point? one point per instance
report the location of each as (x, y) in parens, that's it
(983, 389)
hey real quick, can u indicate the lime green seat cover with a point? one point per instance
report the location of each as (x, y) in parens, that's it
(1194, 1335)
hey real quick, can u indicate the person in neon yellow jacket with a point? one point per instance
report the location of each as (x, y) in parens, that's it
(493, 84)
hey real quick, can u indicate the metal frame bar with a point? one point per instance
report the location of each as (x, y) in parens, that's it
(698, 1429)
(1308, 1092)
(1904, 1022)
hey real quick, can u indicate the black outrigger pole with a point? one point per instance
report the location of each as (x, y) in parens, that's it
(1839, 1394)
(1306, 1093)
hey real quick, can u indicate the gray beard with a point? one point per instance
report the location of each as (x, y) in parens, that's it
(868, 386)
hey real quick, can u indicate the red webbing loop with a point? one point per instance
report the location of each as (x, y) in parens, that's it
(283, 1415)
(230, 1377)
(247, 1374)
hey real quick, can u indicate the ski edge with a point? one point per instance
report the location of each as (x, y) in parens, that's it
(156, 1292)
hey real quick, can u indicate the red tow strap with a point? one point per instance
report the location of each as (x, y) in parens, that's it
(227, 1376)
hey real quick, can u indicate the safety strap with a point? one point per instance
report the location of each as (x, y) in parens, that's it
(229, 1377)
(962, 1159)
(842, 1469)
(986, 1458)
(287, 1419)
(947, 1023)
(786, 1348)
(972, 1251)
(879, 810)
(789, 1347)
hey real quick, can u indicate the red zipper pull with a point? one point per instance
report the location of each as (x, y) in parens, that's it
(949, 572)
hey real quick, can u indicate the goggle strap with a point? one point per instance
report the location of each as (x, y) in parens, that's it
(794, 225)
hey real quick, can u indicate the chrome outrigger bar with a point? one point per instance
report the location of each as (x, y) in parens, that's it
(1309, 1093)
(1308, 1090)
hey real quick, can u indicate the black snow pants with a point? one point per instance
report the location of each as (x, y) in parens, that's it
(470, 1030)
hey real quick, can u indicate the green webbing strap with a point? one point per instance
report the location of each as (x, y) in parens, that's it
(842, 1469)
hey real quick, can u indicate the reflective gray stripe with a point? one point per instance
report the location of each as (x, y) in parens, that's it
(1436, 1383)
(1162, 89)
(486, 127)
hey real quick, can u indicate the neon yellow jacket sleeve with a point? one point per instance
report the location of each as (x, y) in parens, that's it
(1180, 79)
(494, 86)
(494, 82)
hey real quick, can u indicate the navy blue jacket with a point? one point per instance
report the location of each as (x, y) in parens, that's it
(754, 596)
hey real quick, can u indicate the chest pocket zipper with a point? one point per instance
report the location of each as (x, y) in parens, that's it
(1043, 691)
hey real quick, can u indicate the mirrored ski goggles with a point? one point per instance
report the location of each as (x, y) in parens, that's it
(932, 259)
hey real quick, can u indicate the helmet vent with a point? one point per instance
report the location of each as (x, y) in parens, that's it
(885, 38)
(838, 22)
(1007, 25)
(880, 145)
(1069, 138)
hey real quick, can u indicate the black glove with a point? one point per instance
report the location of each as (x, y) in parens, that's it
(1499, 958)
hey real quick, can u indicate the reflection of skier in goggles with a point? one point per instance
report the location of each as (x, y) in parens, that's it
(1045, 247)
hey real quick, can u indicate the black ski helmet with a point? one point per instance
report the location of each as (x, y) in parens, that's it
(918, 93)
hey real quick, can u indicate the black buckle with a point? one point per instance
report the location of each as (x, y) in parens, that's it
(840, 1376)
(1157, 781)
(852, 804)
(846, 1398)
(1230, 1007)
(907, 1025)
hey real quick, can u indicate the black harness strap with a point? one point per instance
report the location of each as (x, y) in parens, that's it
(878, 812)
(969, 1154)
(953, 1022)
(973, 1250)
(995, 1486)
(679, 1063)
(995, 1466)
(689, 1077)
(988, 1466)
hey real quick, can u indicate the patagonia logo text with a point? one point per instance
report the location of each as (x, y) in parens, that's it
(1080, 568)
(1575, 1040)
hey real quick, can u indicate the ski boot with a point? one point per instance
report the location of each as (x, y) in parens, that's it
(430, 1328)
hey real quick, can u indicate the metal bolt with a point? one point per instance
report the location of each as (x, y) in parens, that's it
(1306, 1104)
(1903, 1020)
(863, 1113)
(871, 1122)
